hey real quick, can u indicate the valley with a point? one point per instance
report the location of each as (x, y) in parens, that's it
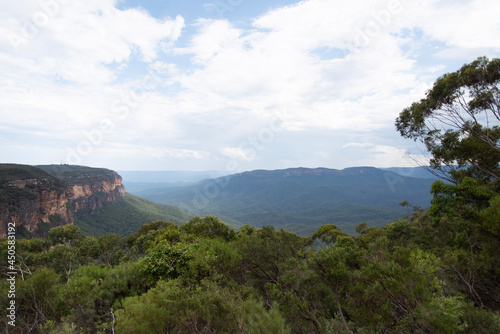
(298, 199)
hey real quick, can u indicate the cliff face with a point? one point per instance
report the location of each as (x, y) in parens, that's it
(89, 192)
(28, 202)
(30, 195)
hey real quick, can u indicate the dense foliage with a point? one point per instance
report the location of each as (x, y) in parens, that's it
(435, 271)
(458, 121)
(127, 216)
(75, 173)
(14, 172)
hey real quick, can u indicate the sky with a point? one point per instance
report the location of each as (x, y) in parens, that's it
(226, 85)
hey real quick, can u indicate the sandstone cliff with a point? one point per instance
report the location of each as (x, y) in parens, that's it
(88, 188)
(53, 193)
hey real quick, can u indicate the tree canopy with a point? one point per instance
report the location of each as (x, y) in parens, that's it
(459, 119)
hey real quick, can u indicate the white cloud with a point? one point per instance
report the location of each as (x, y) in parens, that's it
(163, 68)
(79, 38)
(463, 24)
(214, 36)
(359, 145)
(370, 154)
(237, 153)
(345, 68)
(56, 85)
(277, 64)
(180, 154)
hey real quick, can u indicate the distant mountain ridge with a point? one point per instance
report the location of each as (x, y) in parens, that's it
(303, 197)
(302, 171)
(172, 177)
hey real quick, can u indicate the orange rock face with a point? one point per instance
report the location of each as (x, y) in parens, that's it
(92, 192)
(30, 204)
(31, 201)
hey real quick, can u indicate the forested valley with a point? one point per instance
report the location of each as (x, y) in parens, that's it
(435, 271)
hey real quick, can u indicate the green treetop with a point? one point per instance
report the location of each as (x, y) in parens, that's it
(458, 120)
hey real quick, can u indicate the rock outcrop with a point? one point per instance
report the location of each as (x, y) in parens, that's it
(90, 191)
(53, 193)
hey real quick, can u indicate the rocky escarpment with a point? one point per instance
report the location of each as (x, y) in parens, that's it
(53, 193)
(88, 188)
(26, 202)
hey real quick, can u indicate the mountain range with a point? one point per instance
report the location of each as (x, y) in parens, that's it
(300, 199)
(296, 199)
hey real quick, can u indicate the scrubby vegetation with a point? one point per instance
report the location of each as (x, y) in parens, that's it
(74, 173)
(13, 172)
(436, 271)
(127, 216)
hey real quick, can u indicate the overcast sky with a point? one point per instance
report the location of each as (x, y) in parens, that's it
(227, 85)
